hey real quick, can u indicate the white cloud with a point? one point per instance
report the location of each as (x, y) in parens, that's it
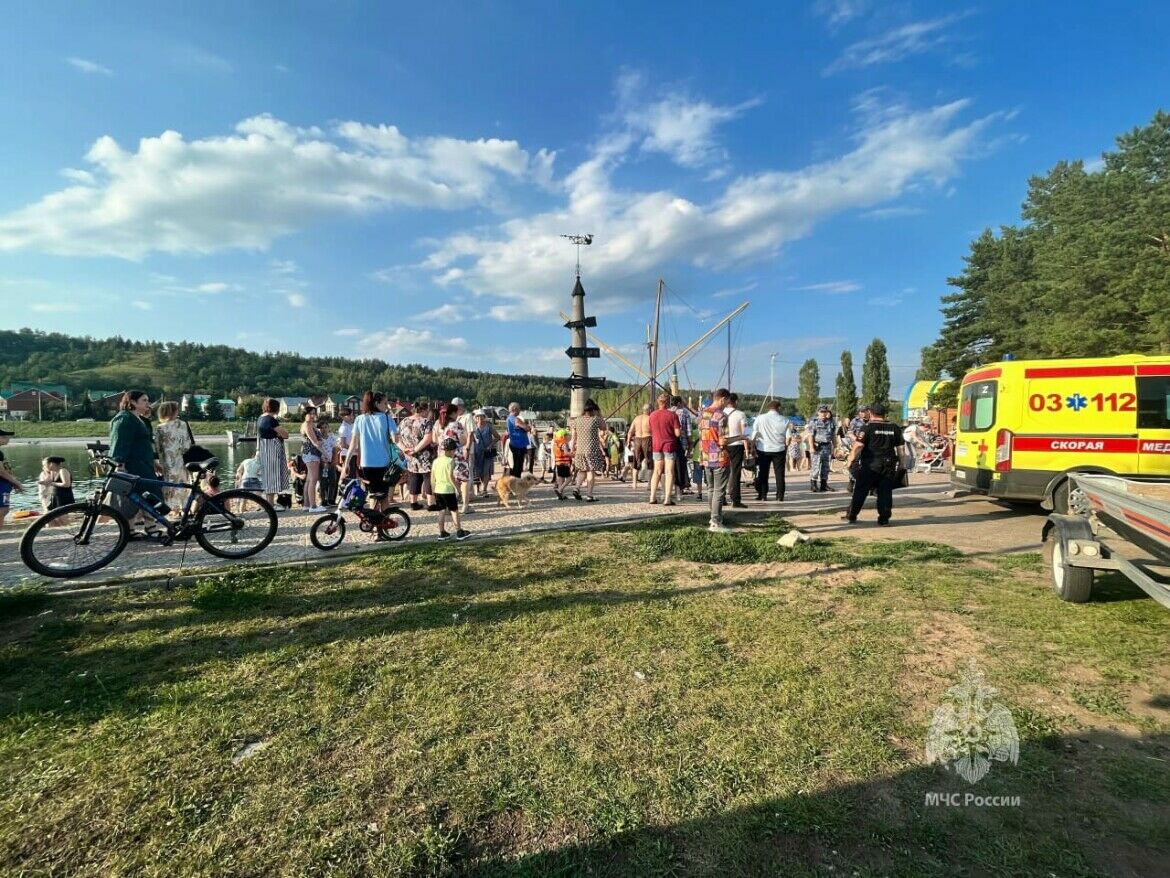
(834, 286)
(54, 307)
(349, 332)
(283, 266)
(298, 300)
(447, 313)
(672, 123)
(840, 12)
(684, 129)
(884, 213)
(85, 178)
(265, 180)
(142, 305)
(89, 66)
(526, 264)
(393, 345)
(280, 68)
(201, 58)
(727, 292)
(213, 287)
(884, 301)
(913, 38)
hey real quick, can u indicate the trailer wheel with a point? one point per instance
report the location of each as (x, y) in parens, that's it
(1067, 500)
(1073, 584)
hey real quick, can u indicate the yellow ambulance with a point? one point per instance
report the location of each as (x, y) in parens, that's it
(1023, 425)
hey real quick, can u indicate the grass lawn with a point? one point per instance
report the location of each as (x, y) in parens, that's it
(659, 701)
(101, 427)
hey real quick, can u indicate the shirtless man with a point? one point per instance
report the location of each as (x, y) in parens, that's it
(638, 438)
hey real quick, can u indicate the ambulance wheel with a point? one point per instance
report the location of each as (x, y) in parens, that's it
(1068, 500)
(1072, 584)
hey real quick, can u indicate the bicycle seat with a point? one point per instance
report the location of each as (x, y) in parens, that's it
(202, 466)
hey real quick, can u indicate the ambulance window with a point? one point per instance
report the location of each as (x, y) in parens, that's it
(1154, 403)
(977, 406)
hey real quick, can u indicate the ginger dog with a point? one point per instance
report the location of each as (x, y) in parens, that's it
(510, 486)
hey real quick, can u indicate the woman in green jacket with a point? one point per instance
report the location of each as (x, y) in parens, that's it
(131, 441)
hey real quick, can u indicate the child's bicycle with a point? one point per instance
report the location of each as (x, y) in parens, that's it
(388, 525)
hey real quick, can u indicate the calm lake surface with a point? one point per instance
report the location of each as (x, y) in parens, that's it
(25, 461)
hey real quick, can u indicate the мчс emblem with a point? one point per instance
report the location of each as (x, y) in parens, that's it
(970, 731)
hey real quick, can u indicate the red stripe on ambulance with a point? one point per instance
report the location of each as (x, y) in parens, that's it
(1091, 445)
(1079, 372)
(983, 375)
(1157, 369)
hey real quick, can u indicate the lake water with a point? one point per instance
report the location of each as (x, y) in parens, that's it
(25, 461)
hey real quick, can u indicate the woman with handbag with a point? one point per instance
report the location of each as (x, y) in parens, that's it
(372, 446)
(172, 439)
(270, 437)
(484, 442)
(875, 462)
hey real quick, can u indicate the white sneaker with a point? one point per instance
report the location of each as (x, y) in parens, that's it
(719, 529)
(315, 509)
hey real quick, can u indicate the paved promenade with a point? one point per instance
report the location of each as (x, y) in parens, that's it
(924, 511)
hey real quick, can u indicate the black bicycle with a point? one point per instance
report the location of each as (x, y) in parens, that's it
(83, 537)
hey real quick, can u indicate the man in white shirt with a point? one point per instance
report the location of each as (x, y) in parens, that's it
(736, 426)
(771, 433)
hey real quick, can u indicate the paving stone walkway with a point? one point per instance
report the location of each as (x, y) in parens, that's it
(616, 503)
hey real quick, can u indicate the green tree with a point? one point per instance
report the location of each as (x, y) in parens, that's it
(214, 410)
(875, 373)
(808, 388)
(249, 408)
(846, 386)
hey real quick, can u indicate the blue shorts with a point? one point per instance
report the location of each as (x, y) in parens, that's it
(5, 495)
(663, 455)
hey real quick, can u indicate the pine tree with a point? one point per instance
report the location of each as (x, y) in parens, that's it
(808, 388)
(846, 387)
(214, 410)
(875, 373)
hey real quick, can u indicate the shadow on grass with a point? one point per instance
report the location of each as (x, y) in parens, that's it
(890, 826)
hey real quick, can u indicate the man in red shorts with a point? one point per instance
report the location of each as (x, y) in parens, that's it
(665, 429)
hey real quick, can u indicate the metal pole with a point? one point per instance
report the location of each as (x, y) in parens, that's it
(654, 345)
(729, 385)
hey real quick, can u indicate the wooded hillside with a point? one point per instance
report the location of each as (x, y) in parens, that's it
(1085, 273)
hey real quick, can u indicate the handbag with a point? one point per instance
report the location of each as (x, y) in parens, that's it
(196, 453)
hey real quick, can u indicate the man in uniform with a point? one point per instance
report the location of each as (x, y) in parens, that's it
(875, 458)
(822, 434)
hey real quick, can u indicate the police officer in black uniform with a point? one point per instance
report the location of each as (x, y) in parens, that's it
(822, 433)
(873, 460)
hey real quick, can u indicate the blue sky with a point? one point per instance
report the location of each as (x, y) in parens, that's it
(391, 179)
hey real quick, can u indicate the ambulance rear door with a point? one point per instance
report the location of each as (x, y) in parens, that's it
(1153, 419)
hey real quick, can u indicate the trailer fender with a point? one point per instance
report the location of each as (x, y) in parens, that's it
(1051, 500)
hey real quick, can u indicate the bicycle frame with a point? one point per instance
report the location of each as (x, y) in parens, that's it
(175, 529)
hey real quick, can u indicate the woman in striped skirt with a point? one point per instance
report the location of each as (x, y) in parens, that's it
(270, 452)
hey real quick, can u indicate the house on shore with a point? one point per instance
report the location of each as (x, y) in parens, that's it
(23, 400)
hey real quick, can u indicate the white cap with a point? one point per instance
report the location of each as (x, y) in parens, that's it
(457, 401)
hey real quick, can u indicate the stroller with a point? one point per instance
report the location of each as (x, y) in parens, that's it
(936, 459)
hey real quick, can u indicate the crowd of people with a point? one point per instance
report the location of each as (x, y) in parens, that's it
(442, 457)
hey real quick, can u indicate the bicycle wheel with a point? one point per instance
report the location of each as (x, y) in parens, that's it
(327, 532)
(395, 527)
(235, 524)
(74, 540)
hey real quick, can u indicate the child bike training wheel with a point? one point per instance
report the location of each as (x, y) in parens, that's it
(327, 532)
(74, 540)
(235, 524)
